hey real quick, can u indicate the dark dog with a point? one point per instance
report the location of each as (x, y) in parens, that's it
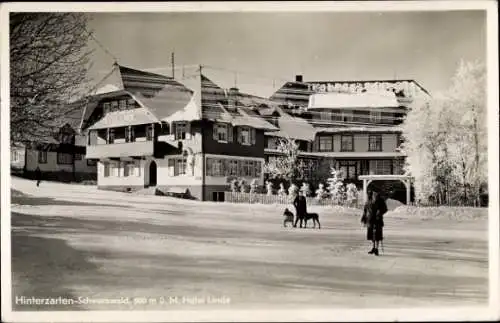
(314, 217)
(288, 217)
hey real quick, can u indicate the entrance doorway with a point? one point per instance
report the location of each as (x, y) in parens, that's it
(152, 173)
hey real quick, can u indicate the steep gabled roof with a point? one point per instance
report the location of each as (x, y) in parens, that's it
(169, 100)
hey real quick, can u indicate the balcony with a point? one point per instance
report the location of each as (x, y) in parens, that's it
(129, 149)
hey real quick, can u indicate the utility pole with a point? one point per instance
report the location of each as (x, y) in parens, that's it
(173, 65)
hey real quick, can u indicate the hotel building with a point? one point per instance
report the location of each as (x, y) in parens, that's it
(355, 124)
(188, 136)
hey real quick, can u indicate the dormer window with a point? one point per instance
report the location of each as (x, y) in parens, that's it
(114, 106)
(123, 104)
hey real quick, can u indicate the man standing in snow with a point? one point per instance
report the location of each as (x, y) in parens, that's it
(38, 176)
(300, 204)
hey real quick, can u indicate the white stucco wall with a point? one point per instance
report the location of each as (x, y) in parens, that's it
(136, 179)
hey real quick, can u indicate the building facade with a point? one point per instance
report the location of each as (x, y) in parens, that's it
(188, 137)
(60, 157)
(352, 125)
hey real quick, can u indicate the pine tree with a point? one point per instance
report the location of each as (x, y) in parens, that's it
(336, 187)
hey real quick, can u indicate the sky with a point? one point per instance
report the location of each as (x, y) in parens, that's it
(270, 48)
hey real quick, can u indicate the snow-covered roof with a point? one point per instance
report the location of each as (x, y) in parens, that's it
(335, 100)
(125, 118)
(293, 127)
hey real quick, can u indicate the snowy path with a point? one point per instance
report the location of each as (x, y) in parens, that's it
(72, 241)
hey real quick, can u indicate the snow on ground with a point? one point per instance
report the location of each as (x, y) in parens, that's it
(76, 241)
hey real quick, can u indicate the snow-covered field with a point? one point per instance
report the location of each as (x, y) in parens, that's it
(75, 241)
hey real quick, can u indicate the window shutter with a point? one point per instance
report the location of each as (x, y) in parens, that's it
(214, 129)
(252, 168)
(188, 130)
(209, 166)
(316, 144)
(172, 129)
(171, 167)
(224, 167)
(253, 134)
(238, 134)
(258, 168)
(230, 131)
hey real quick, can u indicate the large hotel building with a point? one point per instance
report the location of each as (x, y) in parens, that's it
(191, 136)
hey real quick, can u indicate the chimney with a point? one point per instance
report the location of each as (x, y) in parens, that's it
(231, 98)
(298, 78)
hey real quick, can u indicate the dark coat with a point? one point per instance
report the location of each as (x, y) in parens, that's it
(38, 174)
(373, 212)
(300, 204)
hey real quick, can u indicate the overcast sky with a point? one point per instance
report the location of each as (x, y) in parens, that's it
(425, 46)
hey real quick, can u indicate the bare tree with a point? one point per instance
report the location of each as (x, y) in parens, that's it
(49, 59)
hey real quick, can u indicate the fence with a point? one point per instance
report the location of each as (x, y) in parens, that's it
(238, 197)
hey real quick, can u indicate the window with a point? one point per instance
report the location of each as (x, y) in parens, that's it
(214, 167)
(325, 115)
(115, 167)
(91, 162)
(42, 157)
(233, 168)
(123, 104)
(149, 132)
(381, 167)
(129, 169)
(15, 156)
(78, 157)
(131, 103)
(180, 130)
(375, 142)
(129, 134)
(326, 143)
(221, 132)
(106, 169)
(114, 106)
(348, 169)
(347, 116)
(347, 143)
(64, 158)
(272, 143)
(247, 168)
(375, 116)
(179, 166)
(66, 139)
(337, 116)
(244, 137)
(258, 168)
(398, 167)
